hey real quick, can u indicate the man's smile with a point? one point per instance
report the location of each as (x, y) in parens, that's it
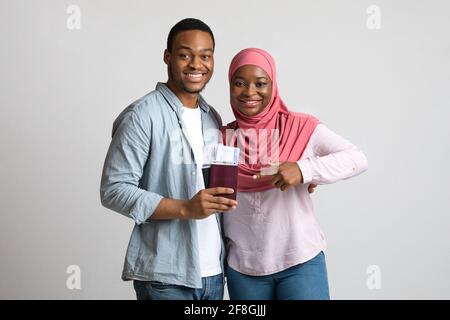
(195, 76)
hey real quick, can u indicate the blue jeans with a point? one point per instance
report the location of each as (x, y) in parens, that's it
(212, 289)
(305, 281)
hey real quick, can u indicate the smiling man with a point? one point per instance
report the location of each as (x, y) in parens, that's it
(175, 250)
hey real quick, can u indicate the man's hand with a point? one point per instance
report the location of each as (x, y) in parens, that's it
(288, 175)
(207, 202)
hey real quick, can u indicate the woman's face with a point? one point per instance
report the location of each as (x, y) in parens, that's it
(250, 89)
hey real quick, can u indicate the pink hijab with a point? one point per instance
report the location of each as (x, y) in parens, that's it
(294, 129)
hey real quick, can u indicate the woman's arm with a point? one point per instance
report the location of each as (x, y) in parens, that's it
(334, 158)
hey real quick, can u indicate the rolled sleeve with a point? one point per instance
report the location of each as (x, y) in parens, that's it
(123, 168)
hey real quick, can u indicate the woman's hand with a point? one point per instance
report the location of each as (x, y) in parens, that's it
(288, 175)
(311, 187)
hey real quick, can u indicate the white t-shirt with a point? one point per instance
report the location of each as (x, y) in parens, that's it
(207, 229)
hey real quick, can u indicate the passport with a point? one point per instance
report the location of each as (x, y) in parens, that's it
(223, 169)
(224, 175)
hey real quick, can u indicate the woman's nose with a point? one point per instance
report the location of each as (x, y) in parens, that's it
(250, 90)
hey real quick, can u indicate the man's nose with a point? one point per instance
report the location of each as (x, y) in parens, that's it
(195, 62)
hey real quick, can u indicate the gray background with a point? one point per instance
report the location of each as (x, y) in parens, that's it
(385, 90)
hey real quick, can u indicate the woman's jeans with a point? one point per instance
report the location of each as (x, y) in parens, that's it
(305, 281)
(153, 290)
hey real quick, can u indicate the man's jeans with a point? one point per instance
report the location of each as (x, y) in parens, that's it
(305, 281)
(154, 290)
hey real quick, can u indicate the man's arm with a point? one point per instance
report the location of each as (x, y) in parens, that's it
(123, 168)
(203, 204)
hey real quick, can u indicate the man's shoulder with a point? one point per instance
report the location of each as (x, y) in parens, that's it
(143, 109)
(148, 105)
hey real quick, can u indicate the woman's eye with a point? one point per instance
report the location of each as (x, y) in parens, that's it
(239, 84)
(261, 84)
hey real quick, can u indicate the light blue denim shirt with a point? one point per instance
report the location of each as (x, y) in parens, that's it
(150, 158)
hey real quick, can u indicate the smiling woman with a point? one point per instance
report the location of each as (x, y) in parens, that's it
(275, 245)
(250, 89)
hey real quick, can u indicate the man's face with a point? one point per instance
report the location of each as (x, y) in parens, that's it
(191, 62)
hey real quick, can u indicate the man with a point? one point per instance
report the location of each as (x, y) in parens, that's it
(176, 250)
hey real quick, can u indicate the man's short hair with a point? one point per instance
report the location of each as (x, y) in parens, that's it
(187, 25)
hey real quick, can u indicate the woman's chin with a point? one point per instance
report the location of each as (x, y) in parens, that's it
(250, 112)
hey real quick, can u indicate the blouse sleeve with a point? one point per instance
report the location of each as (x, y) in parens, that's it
(334, 158)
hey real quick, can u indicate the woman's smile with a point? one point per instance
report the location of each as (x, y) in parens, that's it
(250, 89)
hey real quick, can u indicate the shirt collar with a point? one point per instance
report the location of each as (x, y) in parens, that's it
(173, 100)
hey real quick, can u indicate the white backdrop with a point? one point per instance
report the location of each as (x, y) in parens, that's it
(385, 89)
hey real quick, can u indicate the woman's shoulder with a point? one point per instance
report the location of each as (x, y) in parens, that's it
(302, 118)
(302, 115)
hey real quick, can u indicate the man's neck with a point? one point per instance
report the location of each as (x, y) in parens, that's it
(189, 100)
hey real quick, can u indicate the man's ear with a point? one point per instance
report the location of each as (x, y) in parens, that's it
(166, 56)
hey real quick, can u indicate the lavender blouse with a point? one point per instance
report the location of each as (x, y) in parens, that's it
(273, 230)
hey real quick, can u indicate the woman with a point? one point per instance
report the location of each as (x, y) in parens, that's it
(275, 245)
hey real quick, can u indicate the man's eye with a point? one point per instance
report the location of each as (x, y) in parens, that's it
(206, 58)
(184, 56)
